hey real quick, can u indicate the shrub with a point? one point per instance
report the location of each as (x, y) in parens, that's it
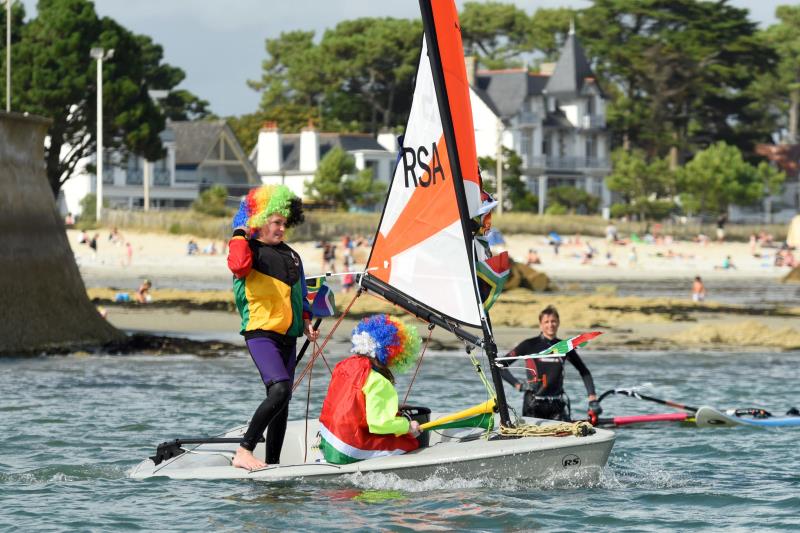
(212, 202)
(555, 209)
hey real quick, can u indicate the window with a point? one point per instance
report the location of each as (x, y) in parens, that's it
(546, 143)
(591, 146)
(590, 106)
(526, 145)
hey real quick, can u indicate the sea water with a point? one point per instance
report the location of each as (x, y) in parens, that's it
(73, 427)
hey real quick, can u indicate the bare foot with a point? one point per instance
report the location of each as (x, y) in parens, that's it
(245, 459)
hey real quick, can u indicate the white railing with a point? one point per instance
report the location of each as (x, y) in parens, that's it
(565, 162)
(589, 122)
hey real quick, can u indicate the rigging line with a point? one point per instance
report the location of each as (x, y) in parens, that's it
(316, 353)
(308, 402)
(330, 274)
(419, 363)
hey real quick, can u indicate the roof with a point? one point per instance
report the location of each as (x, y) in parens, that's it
(194, 139)
(507, 89)
(570, 71)
(349, 142)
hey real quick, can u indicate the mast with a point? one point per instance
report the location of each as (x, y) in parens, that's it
(452, 152)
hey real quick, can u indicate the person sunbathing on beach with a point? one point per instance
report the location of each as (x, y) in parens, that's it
(727, 264)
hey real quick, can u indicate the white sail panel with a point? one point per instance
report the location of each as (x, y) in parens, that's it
(420, 247)
(418, 272)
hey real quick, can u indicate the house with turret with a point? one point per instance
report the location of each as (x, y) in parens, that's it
(555, 119)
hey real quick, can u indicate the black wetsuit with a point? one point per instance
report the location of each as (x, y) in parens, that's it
(546, 378)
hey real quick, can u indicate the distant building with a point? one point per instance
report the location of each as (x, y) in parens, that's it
(292, 159)
(199, 154)
(780, 208)
(555, 120)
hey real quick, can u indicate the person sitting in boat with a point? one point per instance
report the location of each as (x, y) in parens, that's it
(271, 295)
(359, 418)
(544, 388)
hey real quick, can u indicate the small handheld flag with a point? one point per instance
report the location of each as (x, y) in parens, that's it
(559, 349)
(323, 304)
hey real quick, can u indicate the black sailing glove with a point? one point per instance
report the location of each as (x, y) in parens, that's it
(594, 407)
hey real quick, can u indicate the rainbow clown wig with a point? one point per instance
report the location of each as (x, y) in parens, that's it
(261, 202)
(390, 341)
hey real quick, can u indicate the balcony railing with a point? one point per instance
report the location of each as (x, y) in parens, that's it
(161, 177)
(528, 117)
(133, 176)
(565, 163)
(589, 122)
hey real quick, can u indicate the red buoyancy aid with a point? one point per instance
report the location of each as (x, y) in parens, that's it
(344, 415)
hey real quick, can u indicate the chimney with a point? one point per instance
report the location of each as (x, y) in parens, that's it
(388, 140)
(309, 148)
(471, 62)
(547, 69)
(269, 149)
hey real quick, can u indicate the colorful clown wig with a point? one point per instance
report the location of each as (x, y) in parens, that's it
(390, 341)
(262, 202)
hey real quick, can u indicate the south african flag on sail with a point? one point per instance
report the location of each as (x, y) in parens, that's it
(320, 296)
(493, 272)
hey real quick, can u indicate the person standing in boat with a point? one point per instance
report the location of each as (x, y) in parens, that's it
(270, 291)
(544, 387)
(359, 418)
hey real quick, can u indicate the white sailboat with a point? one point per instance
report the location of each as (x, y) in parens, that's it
(423, 260)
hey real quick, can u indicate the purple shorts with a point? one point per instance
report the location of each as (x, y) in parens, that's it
(275, 361)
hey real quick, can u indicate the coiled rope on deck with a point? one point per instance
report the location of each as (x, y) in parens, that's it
(558, 429)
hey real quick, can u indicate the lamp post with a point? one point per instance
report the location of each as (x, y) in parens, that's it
(8, 56)
(100, 54)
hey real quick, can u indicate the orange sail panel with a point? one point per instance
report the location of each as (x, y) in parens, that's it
(420, 249)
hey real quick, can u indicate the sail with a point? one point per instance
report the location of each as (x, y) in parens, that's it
(423, 247)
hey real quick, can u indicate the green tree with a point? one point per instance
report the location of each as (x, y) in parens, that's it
(781, 88)
(337, 181)
(677, 71)
(358, 78)
(371, 63)
(212, 201)
(516, 196)
(640, 183)
(548, 29)
(55, 77)
(718, 177)
(770, 177)
(291, 84)
(495, 32)
(574, 200)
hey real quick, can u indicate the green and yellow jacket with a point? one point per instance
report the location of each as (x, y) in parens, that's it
(269, 287)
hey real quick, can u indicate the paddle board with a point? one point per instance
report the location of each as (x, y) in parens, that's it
(710, 417)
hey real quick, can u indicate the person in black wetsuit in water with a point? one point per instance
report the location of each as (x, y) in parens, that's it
(544, 387)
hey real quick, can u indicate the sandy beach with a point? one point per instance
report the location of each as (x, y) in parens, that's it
(191, 295)
(164, 258)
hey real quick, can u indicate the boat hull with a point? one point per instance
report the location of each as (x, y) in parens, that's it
(449, 456)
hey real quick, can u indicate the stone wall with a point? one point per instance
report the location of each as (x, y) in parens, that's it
(43, 302)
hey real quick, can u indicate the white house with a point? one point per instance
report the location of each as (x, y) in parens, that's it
(198, 154)
(292, 159)
(554, 119)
